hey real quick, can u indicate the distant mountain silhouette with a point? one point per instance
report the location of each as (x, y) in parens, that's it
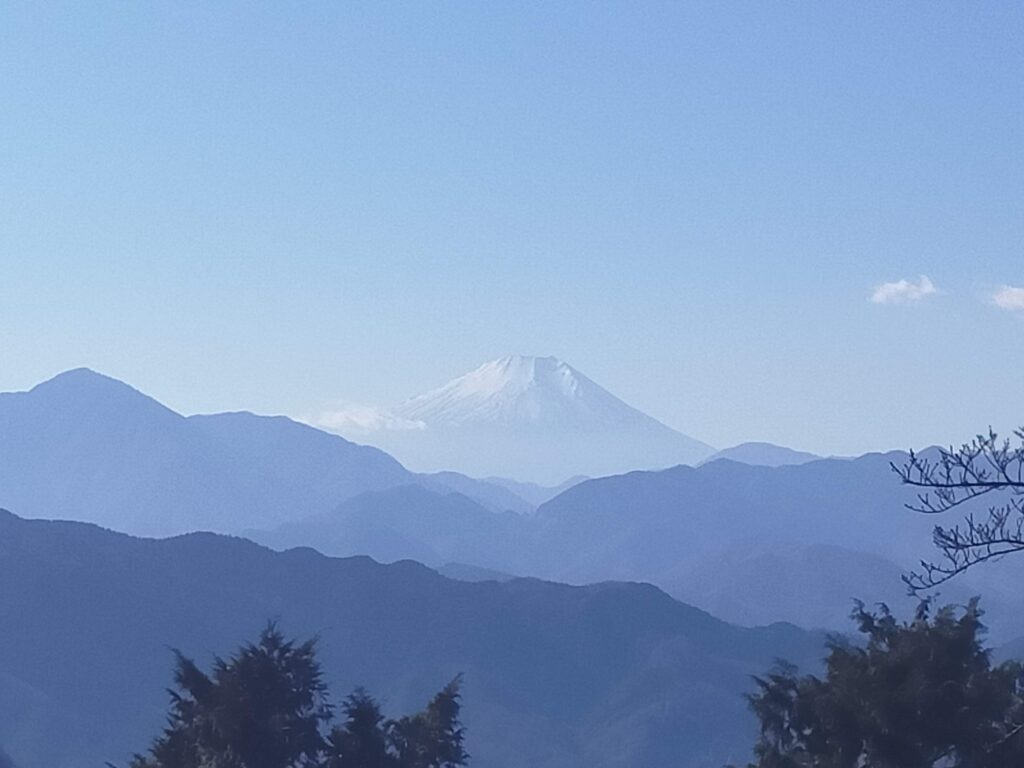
(495, 494)
(652, 520)
(813, 585)
(536, 419)
(463, 572)
(749, 543)
(98, 450)
(532, 492)
(763, 454)
(88, 447)
(555, 676)
(838, 526)
(643, 525)
(407, 522)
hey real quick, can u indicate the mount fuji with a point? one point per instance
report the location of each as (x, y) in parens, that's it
(535, 419)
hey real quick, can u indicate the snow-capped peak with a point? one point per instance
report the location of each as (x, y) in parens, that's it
(518, 373)
(519, 389)
(534, 418)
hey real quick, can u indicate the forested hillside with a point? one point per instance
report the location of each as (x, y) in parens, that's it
(559, 676)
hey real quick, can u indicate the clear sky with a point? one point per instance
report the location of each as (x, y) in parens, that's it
(277, 206)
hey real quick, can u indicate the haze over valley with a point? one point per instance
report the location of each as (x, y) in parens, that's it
(734, 538)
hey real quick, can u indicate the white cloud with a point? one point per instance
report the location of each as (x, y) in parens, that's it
(904, 291)
(1009, 298)
(355, 419)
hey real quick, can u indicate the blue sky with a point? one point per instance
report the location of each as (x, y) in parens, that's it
(275, 207)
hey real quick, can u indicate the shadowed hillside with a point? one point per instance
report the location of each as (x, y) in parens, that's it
(751, 544)
(608, 675)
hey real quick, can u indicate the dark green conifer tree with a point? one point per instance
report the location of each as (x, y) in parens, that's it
(262, 708)
(432, 738)
(362, 740)
(915, 695)
(266, 707)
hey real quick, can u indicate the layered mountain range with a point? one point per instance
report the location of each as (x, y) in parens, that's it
(607, 675)
(736, 539)
(749, 544)
(88, 447)
(555, 676)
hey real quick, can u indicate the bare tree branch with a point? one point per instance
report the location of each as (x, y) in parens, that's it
(960, 475)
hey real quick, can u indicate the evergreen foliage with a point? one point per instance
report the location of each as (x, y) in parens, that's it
(267, 707)
(432, 738)
(362, 741)
(921, 694)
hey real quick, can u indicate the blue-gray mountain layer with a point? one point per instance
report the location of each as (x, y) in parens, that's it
(555, 676)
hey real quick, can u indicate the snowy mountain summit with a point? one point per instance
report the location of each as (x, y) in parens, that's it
(539, 392)
(531, 418)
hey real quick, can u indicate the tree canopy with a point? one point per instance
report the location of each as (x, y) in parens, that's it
(267, 707)
(921, 694)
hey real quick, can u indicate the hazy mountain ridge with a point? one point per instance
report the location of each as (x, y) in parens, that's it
(556, 676)
(532, 492)
(763, 454)
(495, 495)
(749, 543)
(100, 451)
(407, 522)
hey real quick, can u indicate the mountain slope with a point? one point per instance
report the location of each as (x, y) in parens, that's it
(325, 467)
(535, 419)
(556, 676)
(532, 492)
(654, 519)
(100, 451)
(763, 455)
(812, 585)
(751, 543)
(496, 496)
(517, 391)
(803, 536)
(407, 522)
